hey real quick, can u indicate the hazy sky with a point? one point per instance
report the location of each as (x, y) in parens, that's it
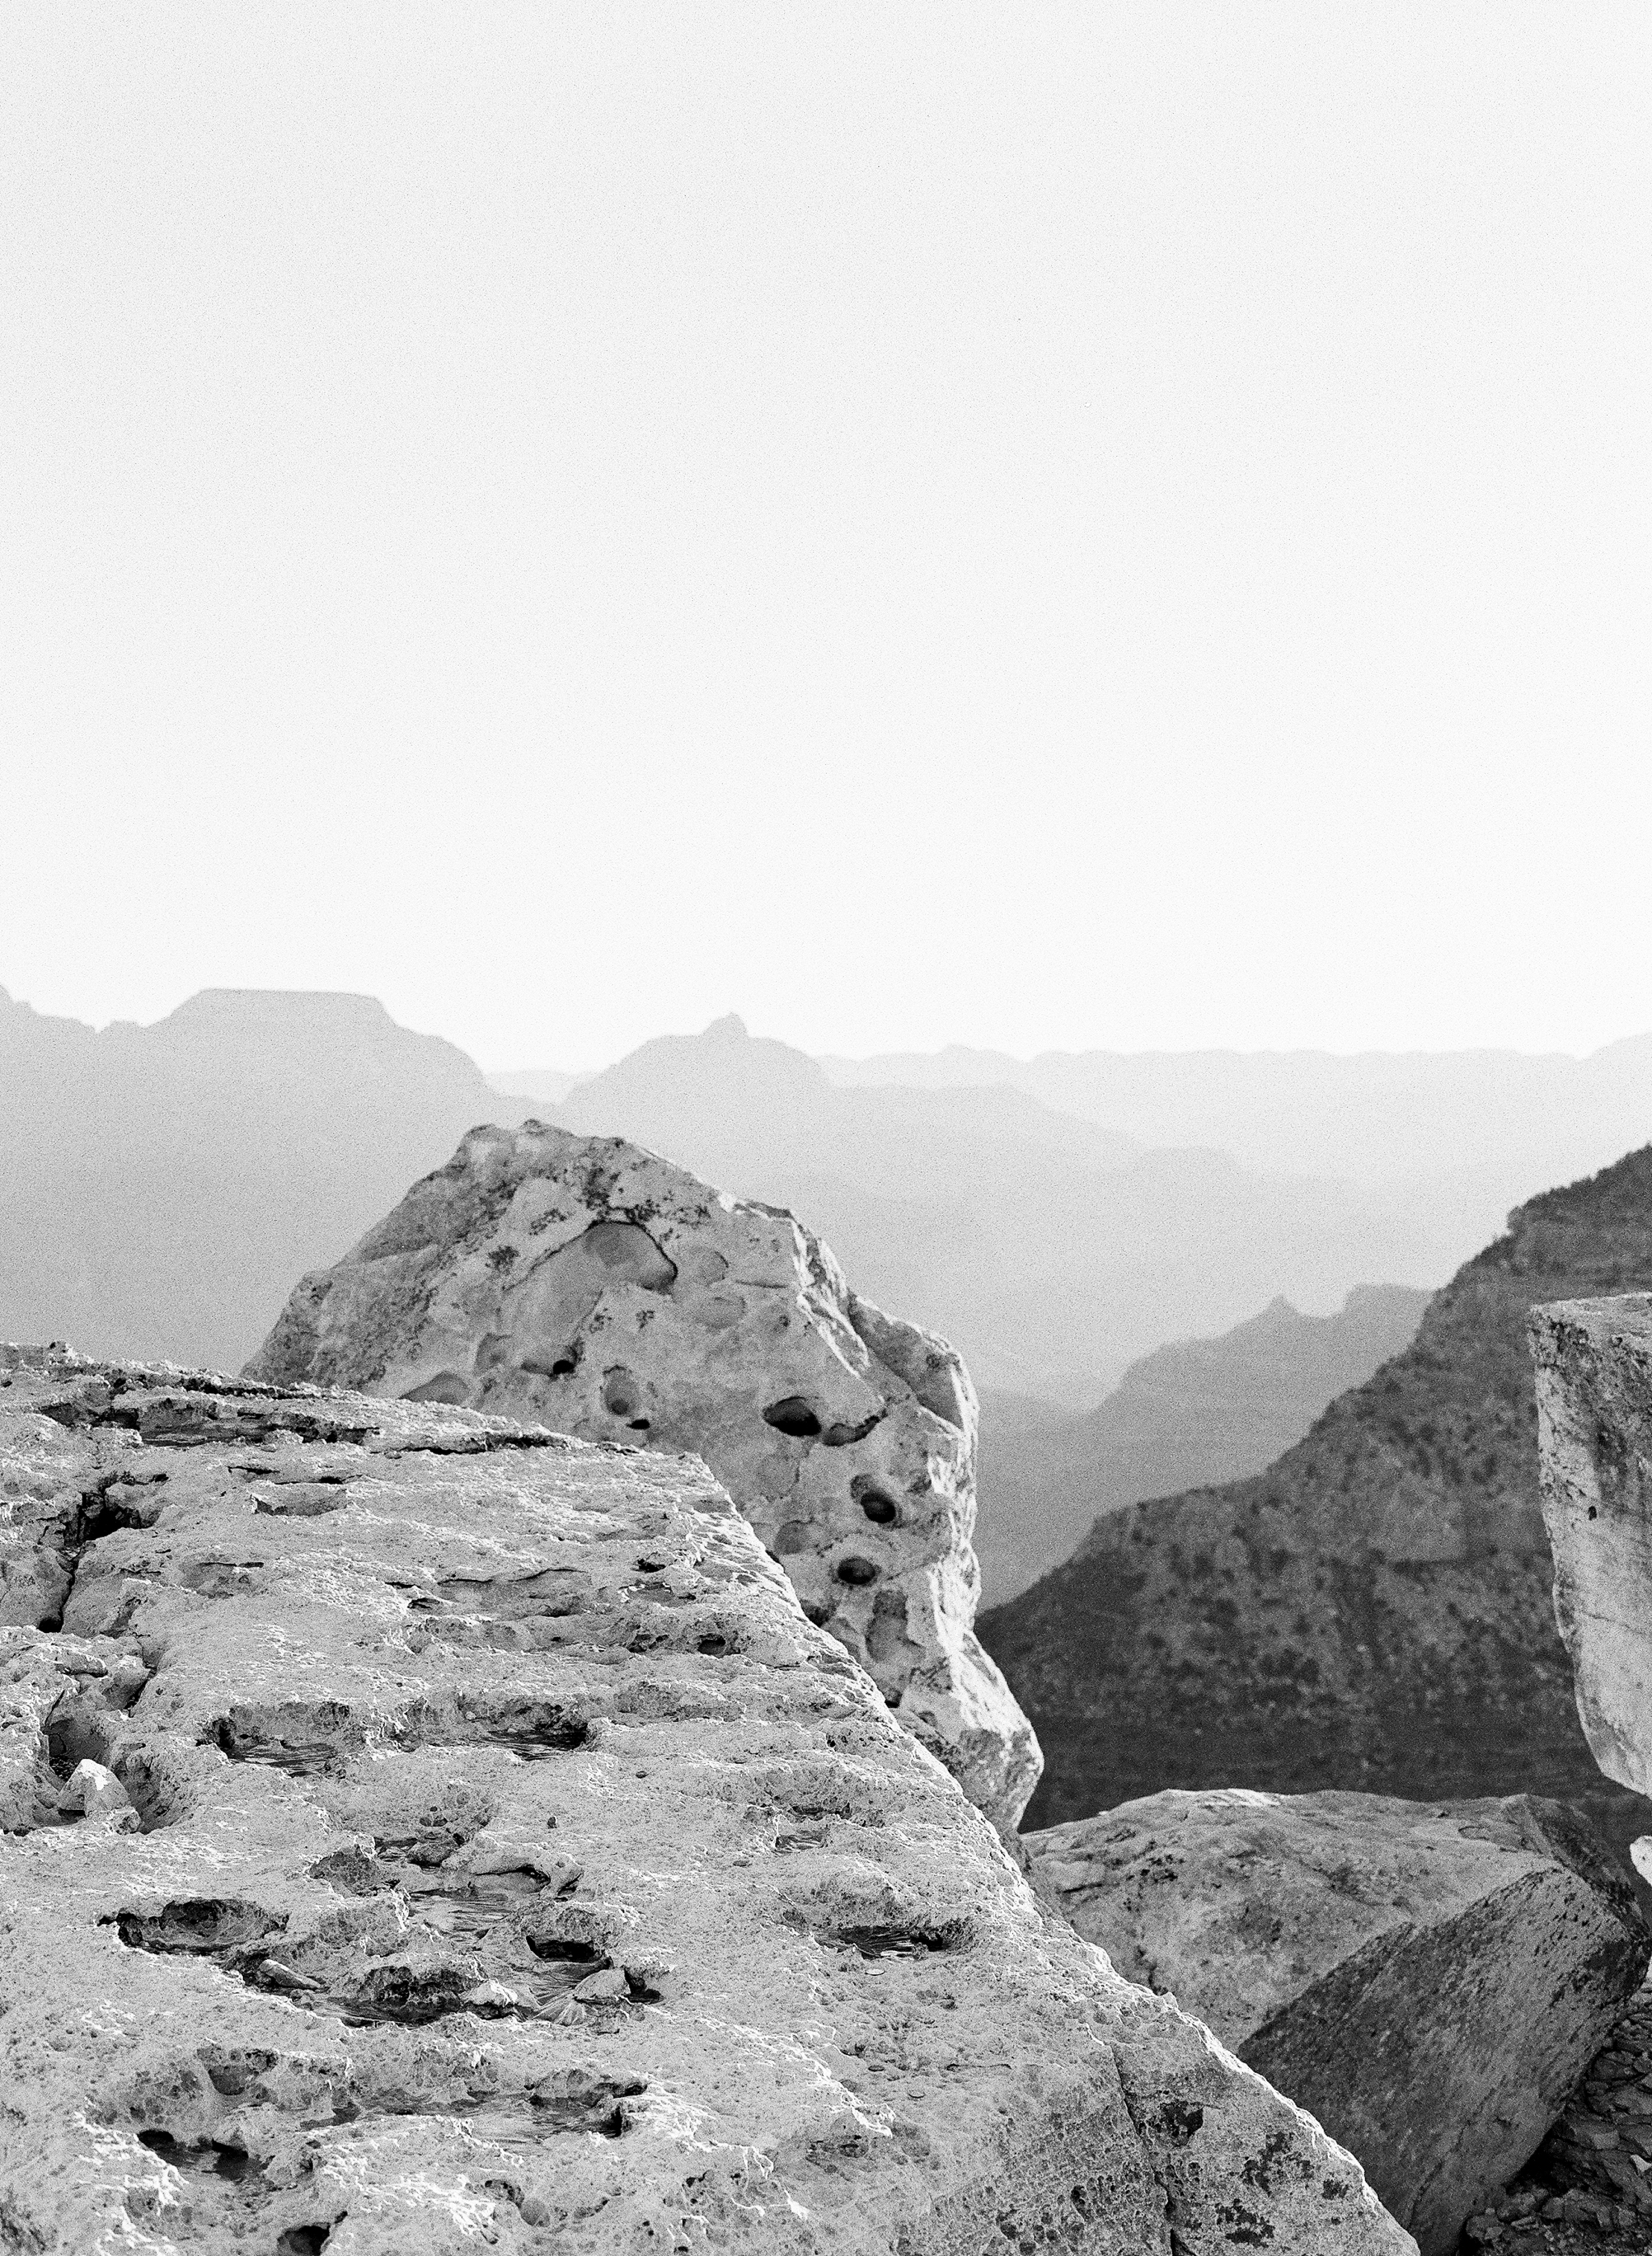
(1033, 526)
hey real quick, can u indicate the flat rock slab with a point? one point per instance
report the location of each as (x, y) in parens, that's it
(1429, 1981)
(588, 1285)
(494, 1852)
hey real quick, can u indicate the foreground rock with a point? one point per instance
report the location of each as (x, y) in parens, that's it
(1594, 1410)
(500, 1856)
(586, 1284)
(1429, 1982)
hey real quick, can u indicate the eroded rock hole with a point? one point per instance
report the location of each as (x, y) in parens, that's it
(856, 1571)
(897, 1941)
(72, 1738)
(210, 2158)
(533, 1729)
(792, 1416)
(159, 1802)
(287, 1740)
(883, 1511)
(304, 2240)
(840, 1434)
(195, 1926)
(566, 1950)
(622, 1397)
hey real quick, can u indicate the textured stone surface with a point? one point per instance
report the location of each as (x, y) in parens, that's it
(517, 1865)
(584, 1283)
(1429, 1981)
(1595, 1411)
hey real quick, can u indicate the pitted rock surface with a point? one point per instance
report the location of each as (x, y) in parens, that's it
(1428, 1980)
(1594, 1438)
(586, 1284)
(504, 1858)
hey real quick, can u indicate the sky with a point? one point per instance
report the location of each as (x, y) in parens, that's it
(1038, 526)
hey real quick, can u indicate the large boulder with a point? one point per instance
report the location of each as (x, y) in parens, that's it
(426, 1831)
(584, 1284)
(1429, 1981)
(1594, 1433)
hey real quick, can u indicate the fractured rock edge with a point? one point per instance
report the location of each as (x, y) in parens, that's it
(515, 1859)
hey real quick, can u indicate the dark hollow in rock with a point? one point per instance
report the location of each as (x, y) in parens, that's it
(841, 1435)
(792, 1415)
(564, 1950)
(306, 1741)
(209, 2157)
(880, 1509)
(304, 2240)
(897, 1941)
(857, 1570)
(195, 1926)
(158, 1802)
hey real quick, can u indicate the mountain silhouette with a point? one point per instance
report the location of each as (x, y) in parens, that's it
(1195, 1412)
(162, 1186)
(1050, 1250)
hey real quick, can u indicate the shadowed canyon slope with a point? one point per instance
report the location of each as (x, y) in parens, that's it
(1190, 1414)
(1375, 1611)
(162, 1186)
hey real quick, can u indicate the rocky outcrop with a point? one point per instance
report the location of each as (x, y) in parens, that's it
(1430, 1981)
(584, 1283)
(1594, 1409)
(1377, 1609)
(492, 1851)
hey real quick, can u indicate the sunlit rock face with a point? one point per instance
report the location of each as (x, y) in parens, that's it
(1594, 1429)
(423, 1831)
(1430, 1980)
(586, 1284)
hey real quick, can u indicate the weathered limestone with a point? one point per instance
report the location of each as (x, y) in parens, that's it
(518, 1864)
(1429, 1981)
(1594, 1434)
(583, 1283)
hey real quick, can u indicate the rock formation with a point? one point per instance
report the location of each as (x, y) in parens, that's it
(1375, 1610)
(586, 1285)
(423, 1831)
(1428, 1981)
(1594, 1408)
